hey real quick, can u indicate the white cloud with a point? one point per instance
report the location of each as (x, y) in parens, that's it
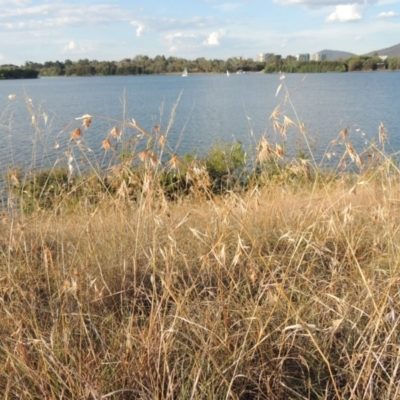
(63, 14)
(388, 14)
(71, 46)
(152, 24)
(74, 48)
(214, 37)
(312, 3)
(345, 13)
(325, 3)
(18, 3)
(140, 28)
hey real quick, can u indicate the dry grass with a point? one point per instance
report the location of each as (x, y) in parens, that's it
(282, 291)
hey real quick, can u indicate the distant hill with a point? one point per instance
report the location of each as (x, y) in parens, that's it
(335, 54)
(393, 51)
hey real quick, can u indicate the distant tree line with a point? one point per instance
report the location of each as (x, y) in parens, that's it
(14, 72)
(355, 63)
(143, 65)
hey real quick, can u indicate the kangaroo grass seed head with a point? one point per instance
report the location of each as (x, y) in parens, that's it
(343, 133)
(115, 132)
(174, 162)
(86, 122)
(275, 114)
(383, 134)
(106, 144)
(162, 141)
(76, 134)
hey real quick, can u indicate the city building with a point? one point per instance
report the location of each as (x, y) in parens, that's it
(262, 57)
(318, 57)
(303, 57)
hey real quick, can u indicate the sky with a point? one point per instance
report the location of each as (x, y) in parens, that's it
(112, 30)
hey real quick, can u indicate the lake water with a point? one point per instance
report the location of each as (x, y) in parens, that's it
(211, 107)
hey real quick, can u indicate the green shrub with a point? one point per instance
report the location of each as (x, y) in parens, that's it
(224, 164)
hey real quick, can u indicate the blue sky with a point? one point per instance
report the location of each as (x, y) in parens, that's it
(40, 30)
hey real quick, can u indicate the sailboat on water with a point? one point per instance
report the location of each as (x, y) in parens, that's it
(185, 73)
(227, 73)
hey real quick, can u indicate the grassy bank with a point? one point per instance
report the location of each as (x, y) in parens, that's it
(203, 278)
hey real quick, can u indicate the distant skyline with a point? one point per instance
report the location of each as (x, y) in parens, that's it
(40, 30)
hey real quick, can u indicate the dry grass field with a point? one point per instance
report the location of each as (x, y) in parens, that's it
(203, 279)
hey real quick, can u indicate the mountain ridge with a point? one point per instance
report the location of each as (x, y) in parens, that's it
(336, 54)
(392, 51)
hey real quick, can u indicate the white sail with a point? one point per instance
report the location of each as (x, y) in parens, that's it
(185, 73)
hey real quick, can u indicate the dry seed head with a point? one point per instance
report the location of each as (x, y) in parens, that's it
(353, 155)
(115, 132)
(174, 162)
(154, 160)
(144, 155)
(106, 144)
(86, 122)
(287, 121)
(12, 96)
(122, 191)
(13, 174)
(264, 150)
(147, 184)
(76, 134)
(276, 125)
(275, 114)
(279, 151)
(157, 129)
(382, 133)
(162, 140)
(343, 133)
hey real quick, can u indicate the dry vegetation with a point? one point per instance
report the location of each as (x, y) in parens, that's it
(282, 287)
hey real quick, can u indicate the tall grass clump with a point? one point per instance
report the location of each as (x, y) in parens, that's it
(215, 277)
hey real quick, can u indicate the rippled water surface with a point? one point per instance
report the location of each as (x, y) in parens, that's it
(209, 108)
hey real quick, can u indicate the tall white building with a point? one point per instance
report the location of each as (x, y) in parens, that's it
(261, 57)
(318, 57)
(303, 57)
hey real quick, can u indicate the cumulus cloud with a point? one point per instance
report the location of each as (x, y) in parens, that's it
(388, 14)
(214, 37)
(345, 13)
(140, 28)
(73, 48)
